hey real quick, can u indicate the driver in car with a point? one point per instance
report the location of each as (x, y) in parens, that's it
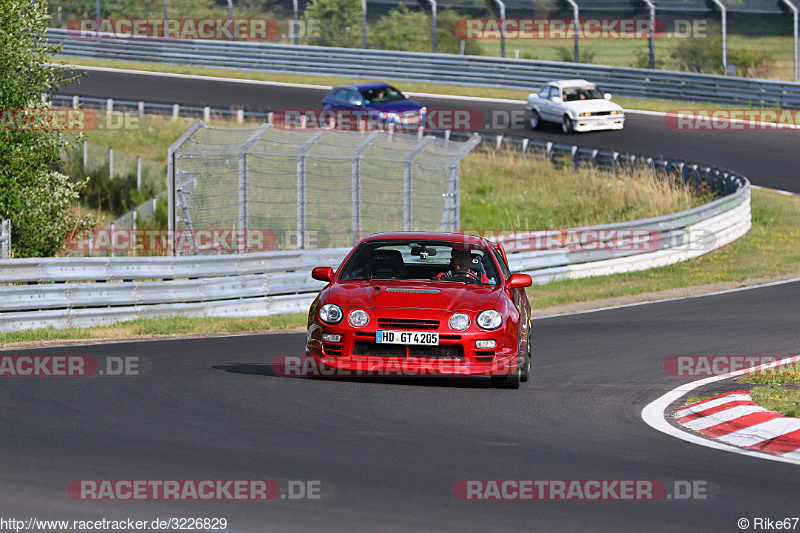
(461, 266)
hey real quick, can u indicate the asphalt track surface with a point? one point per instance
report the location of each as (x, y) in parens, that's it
(390, 451)
(769, 158)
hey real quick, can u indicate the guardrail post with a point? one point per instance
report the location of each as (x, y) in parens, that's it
(302, 154)
(176, 110)
(141, 109)
(363, 23)
(75, 101)
(206, 113)
(295, 17)
(433, 25)
(5, 239)
(239, 116)
(355, 193)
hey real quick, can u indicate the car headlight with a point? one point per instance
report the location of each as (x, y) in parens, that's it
(459, 322)
(586, 114)
(388, 116)
(358, 318)
(330, 313)
(490, 319)
(423, 111)
(616, 112)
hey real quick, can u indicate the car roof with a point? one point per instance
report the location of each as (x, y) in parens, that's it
(429, 236)
(364, 86)
(570, 83)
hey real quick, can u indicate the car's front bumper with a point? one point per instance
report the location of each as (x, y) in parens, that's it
(582, 124)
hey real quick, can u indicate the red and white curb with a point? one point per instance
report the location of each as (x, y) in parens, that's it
(656, 416)
(735, 419)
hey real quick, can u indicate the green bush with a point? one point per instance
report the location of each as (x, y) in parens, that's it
(36, 197)
(567, 54)
(338, 22)
(404, 29)
(705, 55)
(117, 195)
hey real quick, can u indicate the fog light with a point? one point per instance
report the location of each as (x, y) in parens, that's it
(331, 337)
(486, 344)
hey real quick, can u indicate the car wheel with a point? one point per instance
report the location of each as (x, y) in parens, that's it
(533, 120)
(526, 362)
(566, 124)
(509, 381)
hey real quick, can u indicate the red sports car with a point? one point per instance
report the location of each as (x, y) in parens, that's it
(422, 303)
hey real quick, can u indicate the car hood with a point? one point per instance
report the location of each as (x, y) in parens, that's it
(430, 295)
(397, 105)
(583, 106)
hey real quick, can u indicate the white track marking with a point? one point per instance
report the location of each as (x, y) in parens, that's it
(654, 415)
(728, 415)
(761, 432)
(710, 404)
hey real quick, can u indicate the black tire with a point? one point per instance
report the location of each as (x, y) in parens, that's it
(526, 362)
(566, 125)
(533, 120)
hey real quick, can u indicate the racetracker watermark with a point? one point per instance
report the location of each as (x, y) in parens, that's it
(718, 365)
(550, 490)
(238, 29)
(591, 240)
(586, 28)
(71, 366)
(299, 366)
(732, 119)
(219, 240)
(57, 119)
(196, 489)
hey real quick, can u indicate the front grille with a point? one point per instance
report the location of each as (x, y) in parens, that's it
(373, 349)
(332, 350)
(436, 352)
(600, 113)
(484, 356)
(408, 323)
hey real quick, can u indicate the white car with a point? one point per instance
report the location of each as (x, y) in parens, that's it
(577, 105)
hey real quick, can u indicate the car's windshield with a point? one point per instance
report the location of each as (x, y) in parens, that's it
(587, 92)
(381, 95)
(421, 260)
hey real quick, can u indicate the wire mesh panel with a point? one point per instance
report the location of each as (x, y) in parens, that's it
(315, 188)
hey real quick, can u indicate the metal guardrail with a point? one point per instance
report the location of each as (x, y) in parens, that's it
(434, 68)
(258, 284)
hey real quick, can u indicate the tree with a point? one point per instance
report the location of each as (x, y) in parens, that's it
(403, 29)
(338, 22)
(36, 198)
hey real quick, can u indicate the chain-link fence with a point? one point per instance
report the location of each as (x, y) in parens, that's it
(312, 188)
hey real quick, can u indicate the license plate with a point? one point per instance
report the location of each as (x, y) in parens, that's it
(602, 121)
(406, 337)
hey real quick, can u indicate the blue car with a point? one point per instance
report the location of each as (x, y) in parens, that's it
(384, 104)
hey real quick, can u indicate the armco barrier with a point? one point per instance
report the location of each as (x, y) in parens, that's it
(62, 292)
(433, 68)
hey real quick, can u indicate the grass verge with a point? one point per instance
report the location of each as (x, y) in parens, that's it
(157, 327)
(644, 104)
(778, 399)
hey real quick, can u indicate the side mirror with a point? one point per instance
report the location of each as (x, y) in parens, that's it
(405, 96)
(558, 99)
(326, 273)
(519, 280)
(607, 96)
